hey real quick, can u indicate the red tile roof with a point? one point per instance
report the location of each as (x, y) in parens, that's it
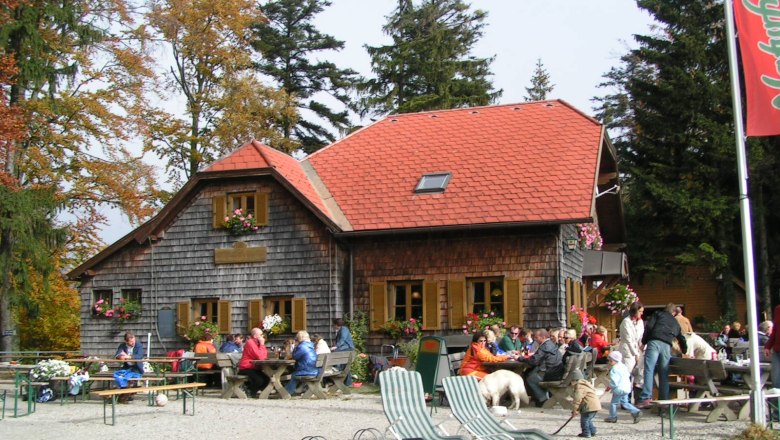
(522, 163)
(255, 155)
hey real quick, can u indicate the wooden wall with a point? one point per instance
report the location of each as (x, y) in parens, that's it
(303, 260)
(530, 256)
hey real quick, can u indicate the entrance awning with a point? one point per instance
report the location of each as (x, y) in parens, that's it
(603, 263)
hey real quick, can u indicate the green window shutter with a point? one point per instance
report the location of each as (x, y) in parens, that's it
(377, 305)
(261, 209)
(431, 310)
(513, 297)
(183, 313)
(255, 317)
(223, 317)
(456, 297)
(298, 314)
(218, 211)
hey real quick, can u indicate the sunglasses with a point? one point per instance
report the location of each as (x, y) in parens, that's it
(516, 334)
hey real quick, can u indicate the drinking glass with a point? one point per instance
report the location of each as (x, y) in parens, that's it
(738, 358)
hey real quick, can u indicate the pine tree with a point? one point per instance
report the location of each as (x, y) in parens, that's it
(673, 124)
(429, 64)
(540, 84)
(289, 43)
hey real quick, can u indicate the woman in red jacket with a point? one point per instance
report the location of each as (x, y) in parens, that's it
(476, 355)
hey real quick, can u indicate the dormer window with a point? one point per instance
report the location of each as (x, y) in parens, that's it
(433, 183)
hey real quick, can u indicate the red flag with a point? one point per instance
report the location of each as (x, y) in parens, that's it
(758, 28)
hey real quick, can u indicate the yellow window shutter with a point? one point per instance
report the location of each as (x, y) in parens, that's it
(569, 295)
(218, 211)
(261, 208)
(224, 317)
(377, 294)
(431, 310)
(514, 302)
(456, 296)
(255, 313)
(182, 317)
(298, 314)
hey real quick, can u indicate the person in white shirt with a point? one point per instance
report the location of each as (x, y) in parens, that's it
(631, 331)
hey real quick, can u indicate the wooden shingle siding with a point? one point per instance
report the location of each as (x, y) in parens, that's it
(452, 258)
(302, 261)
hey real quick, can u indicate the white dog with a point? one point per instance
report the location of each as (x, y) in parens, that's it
(498, 383)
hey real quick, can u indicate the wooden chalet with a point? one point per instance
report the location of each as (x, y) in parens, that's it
(427, 215)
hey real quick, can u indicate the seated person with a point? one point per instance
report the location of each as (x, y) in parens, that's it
(320, 345)
(229, 346)
(736, 331)
(129, 349)
(571, 343)
(722, 341)
(512, 341)
(287, 349)
(254, 350)
(476, 355)
(305, 360)
(206, 345)
(548, 366)
(599, 343)
(491, 343)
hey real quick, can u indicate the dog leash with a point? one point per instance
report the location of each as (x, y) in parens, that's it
(563, 426)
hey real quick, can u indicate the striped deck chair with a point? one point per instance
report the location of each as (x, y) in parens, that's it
(469, 408)
(403, 401)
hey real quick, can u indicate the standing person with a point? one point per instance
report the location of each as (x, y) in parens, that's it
(620, 384)
(772, 348)
(129, 349)
(632, 328)
(305, 360)
(512, 340)
(586, 403)
(254, 350)
(685, 323)
(660, 330)
(548, 365)
(343, 343)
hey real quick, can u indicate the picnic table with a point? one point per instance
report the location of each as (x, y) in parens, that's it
(274, 369)
(21, 379)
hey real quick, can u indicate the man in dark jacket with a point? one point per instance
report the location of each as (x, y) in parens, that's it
(660, 330)
(547, 363)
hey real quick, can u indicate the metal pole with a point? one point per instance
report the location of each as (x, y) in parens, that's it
(757, 395)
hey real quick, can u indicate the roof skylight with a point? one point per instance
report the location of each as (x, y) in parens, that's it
(433, 182)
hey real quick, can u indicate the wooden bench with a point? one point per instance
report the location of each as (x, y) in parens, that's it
(187, 389)
(705, 373)
(562, 390)
(326, 363)
(231, 382)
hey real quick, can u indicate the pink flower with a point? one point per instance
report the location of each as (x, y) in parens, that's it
(469, 322)
(465, 332)
(227, 219)
(249, 216)
(197, 322)
(109, 313)
(492, 314)
(100, 301)
(241, 218)
(485, 315)
(202, 318)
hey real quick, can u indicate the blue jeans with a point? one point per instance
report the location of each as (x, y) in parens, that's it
(293, 384)
(619, 399)
(657, 355)
(586, 422)
(532, 380)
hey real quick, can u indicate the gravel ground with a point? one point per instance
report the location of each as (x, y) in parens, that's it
(336, 418)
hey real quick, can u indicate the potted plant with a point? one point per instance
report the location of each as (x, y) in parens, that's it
(619, 298)
(477, 322)
(239, 223)
(275, 325)
(197, 329)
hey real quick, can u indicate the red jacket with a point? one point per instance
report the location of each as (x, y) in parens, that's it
(253, 351)
(599, 342)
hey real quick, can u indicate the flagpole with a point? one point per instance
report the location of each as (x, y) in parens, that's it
(757, 395)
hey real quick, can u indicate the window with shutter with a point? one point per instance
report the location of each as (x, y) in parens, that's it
(486, 295)
(298, 320)
(456, 297)
(514, 309)
(255, 203)
(405, 300)
(104, 295)
(255, 317)
(377, 296)
(431, 308)
(282, 306)
(183, 315)
(224, 317)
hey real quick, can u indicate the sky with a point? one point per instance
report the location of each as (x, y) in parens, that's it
(578, 41)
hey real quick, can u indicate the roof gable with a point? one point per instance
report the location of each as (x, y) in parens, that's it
(523, 163)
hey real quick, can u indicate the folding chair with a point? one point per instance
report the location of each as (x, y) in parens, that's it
(468, 406)
(403, 402)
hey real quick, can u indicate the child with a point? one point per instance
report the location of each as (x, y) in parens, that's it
(586, 403)
(620, 384)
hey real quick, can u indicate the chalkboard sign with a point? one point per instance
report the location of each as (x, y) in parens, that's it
(166, 322)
